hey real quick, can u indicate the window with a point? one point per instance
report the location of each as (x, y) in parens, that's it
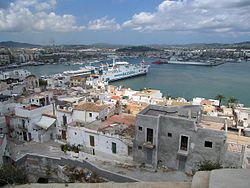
(91, 140)
(140, 128)
(139, 148)
(184, 143)
(150, 133)
(169, 134)
(90, 114)
(208, 144)
(113, 147)
(23, 123)
(64, 119)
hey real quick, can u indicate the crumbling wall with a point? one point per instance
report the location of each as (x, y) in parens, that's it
(57, 170)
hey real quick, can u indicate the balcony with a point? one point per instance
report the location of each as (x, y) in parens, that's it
(149, 145)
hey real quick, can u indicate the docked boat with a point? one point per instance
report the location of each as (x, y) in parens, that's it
(122, 70)
(159, 62)
(173, 60)
(82, 71)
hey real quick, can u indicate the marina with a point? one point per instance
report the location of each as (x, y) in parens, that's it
(231, 79)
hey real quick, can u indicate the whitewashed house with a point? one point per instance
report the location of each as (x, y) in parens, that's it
(148, 96)
(99, 139)
(20, 74)
(33, 121)
(25, 123)
(88, 112)
(46, 128)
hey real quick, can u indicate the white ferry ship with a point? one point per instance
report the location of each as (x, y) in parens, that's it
(82, 71)
(122, 70)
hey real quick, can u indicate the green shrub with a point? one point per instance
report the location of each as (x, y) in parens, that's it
(66, 147)
(208, 165)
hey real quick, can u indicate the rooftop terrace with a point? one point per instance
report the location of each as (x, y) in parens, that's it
(190, 111)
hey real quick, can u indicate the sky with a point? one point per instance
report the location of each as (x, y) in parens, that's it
(134, 22)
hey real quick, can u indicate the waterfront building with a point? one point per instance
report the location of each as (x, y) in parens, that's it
(149, 96)
(19, 74)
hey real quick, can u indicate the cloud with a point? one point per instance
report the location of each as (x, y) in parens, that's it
(34, 15)
(211, 4)
(219, 16)
(103, 24)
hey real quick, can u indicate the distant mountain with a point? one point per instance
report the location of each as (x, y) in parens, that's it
(106, 45)
(128, 48)
(243, 45)
(137, 49)
(12, 44)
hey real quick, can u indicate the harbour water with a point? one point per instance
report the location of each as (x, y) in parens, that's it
(230, 79)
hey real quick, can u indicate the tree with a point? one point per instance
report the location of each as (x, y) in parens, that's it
(43, 83)
(232, 101)
(221, 98)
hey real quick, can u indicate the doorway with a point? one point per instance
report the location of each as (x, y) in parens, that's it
(113, 147)
(63, 134)
(29, 134)
(182, 163)
(149, 156)
(24, 136)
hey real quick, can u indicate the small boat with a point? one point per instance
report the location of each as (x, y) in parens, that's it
(159, 62)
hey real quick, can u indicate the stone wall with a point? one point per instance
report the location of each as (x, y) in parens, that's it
(51, 168)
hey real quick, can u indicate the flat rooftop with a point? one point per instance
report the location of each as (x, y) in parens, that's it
(233, 137)
(95, 126)
(212, 125)
(176, 111)
(153, 112)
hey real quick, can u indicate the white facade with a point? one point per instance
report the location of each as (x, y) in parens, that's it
(215, 102)
(24, 123)
(243, 115)
(148, 96)
(17, 74)
(102, 142)
(64, 117)
(197, 100)
(128, 92)
(86, 116)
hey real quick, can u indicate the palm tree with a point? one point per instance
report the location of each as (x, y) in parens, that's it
(232, 101)
(221, 98)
